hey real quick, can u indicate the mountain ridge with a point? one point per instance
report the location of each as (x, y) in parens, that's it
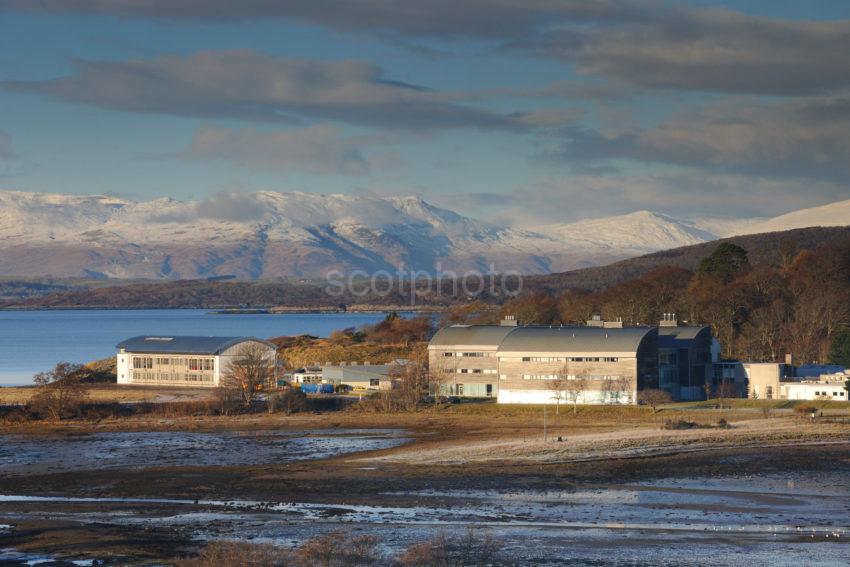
(269, 234)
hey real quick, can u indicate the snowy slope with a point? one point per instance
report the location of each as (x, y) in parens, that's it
(834, 214)
(634, 233)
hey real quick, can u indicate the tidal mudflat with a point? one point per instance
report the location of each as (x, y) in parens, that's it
(733, 520)
(27, 454)
(148, 497)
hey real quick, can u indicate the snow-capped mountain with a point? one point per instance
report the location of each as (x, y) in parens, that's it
(269, 234)
(258, 235)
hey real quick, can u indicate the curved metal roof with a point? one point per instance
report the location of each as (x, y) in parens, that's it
(668, 336)
(575, 339)
(472, 335)
(184, 344)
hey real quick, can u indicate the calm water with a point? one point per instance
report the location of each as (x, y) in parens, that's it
(33, 341)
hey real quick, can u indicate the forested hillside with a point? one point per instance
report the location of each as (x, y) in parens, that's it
(757, 310)
(769, 249)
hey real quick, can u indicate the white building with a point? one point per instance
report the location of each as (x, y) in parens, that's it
(782, 381)
(182, 361)
(825, 387)
(306, 375)
(596, 364)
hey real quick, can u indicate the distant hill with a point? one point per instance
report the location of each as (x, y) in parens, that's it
(833, 214)
(763, 249)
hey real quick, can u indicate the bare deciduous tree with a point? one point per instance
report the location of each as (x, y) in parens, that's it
(654, 398)
(558, 387)
(412, 380)
(765, 331)
(251, 370)
(442, 370)
(61, 391)
(573, 387)
(724, 390)
(615, 389)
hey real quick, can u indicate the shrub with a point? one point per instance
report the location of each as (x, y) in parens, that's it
(289, 401)
(679, 424)
(220, 553)
(338, 549)
(805, 409)
(61, 392)
(475, 548)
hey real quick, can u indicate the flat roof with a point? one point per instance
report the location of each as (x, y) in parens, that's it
(184, 344)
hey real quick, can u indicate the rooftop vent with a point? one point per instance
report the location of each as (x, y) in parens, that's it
(668, 320)
(508, 321)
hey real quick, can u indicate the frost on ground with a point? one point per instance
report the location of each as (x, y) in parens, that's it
(640, 442)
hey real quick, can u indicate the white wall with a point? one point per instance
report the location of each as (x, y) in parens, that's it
(122, 369)
(548, 397)
(833, 391)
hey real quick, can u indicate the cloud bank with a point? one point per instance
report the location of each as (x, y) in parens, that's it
(251, 85)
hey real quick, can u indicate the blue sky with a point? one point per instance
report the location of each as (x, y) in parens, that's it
(513, 111)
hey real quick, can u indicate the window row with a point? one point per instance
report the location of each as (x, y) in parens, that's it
(147, 363)
(570, 359)
(594, 377)
(476, 371)
(167, 377)
(470, 354)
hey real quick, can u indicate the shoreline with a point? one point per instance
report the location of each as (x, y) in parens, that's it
(235, 310)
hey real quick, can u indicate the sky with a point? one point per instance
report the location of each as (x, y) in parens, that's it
(518, 112)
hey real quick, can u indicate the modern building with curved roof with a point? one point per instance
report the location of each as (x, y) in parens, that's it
(598, 363)
(183, 360)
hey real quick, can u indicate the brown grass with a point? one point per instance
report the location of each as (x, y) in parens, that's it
(109, 393)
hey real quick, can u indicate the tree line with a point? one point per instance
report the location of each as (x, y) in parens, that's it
(800, 305)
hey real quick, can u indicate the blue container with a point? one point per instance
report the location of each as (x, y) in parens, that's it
(317, 388)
